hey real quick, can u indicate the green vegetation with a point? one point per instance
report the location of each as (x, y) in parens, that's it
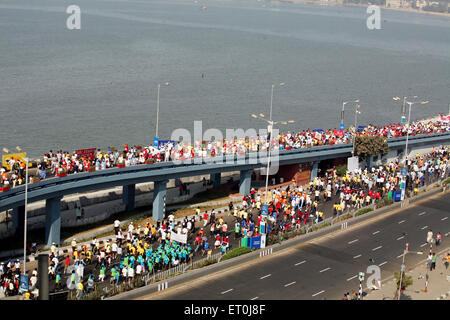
(385, 201)
(320, 226)
(370, 145)
(236, 252)
(341, 170)
(205, 263)
(363, 211)
(406, 281)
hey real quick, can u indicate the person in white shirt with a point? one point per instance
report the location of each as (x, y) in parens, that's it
(131, 228)
(116, 226)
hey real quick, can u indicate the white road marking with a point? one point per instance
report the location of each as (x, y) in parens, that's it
(326, 269)
(226, 291)
(401, 221)
(287, 285)
(383, 263)
(359, 255)
(300, 262)
(353, 241)
(422, 213)
(444, 218)
(377, 248)
(424, 227)
(400, 238)
(376, 232)
(268, 275)
(400, 256)
(423, 245)
(254, 298)
(315, 294)
(352, 278)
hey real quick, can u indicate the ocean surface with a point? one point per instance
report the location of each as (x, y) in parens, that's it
(97, 86)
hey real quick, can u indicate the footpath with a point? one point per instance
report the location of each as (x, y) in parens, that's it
(438, 283)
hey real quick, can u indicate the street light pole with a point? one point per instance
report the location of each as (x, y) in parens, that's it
(354, 135)
(25, 222)
(157, 107)
(157, 110)
(343, 110)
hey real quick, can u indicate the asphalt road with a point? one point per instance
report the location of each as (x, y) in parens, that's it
(327, 267)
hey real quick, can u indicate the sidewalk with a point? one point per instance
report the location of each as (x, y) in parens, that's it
(438, 283)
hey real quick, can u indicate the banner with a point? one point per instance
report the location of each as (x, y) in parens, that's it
(352, 164)
(264, 210)
(15, 156)
(23, 283)
(255, 242)
(262, 227)
(179, 237)
(86, 153)
(263, 241)
(163, 143)
(155, 141)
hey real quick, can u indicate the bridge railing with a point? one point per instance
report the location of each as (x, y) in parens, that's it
(54, 181)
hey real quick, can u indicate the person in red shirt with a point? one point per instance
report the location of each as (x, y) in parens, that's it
(66, 263)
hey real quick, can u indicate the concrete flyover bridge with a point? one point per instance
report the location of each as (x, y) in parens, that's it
(53, 189)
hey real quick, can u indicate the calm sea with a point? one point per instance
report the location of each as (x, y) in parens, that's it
(96, 87)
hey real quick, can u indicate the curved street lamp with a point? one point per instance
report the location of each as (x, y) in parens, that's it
(342, 111)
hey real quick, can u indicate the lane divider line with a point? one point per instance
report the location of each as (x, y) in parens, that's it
(226, 291)
(353, 241)
(298, 263)
(287, 285)
(376, 232)
(326, 269)
(352, 278)
(268, 275)
(315, 294)
(377, 248)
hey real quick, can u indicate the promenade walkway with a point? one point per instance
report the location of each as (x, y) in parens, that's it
(438, 282)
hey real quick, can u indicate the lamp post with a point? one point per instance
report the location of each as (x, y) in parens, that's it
(409, 124)
(269, 131)
(405, 170)
(25, 222)
(403, 267)
(356, 120)
(342, 112)
(157, 107)
(403, 106)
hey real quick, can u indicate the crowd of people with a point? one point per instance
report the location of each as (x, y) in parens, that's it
(62, 162)
(147, 249)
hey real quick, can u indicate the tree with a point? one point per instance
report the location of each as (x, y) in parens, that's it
(406, 282)
(370, 145)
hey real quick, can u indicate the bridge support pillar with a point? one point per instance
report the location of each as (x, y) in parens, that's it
(128, 196)
(18, 219)
(314, 170)
(53, 221)
(215, 179)
(245, 182)
(159, 200)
